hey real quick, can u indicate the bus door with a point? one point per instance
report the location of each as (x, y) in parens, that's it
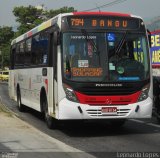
(53, 96)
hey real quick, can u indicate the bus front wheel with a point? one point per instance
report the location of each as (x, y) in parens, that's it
(50, 121)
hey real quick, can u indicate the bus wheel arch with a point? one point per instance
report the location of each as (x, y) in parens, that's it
(50, 121)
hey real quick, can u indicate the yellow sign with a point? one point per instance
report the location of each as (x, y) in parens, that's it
(155, 40)
(155, 48)
(156, 56)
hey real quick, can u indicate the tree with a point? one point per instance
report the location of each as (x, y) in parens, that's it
(27, 17)
(5, 55)
(52, 13)
(6, 34)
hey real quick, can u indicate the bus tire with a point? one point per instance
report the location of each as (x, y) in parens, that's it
(21, 107)
(50, 121)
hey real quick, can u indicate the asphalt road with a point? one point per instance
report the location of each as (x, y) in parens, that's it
(96, 138)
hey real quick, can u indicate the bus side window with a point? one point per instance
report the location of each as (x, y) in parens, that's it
(12, 57)
(43, 56)
(40, 49)
(17, 54)
(28, 47)
(35, 50)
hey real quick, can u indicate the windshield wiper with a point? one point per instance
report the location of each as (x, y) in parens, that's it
(119, 46)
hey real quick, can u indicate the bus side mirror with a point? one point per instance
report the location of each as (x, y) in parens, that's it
(149, 37)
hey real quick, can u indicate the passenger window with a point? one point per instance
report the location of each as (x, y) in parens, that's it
(27, 60)
(40, 49)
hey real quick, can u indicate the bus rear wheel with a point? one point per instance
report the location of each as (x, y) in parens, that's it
(21, 107)
(50, 121)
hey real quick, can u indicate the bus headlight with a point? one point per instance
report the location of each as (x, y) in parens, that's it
(70, 94)
(144, 93)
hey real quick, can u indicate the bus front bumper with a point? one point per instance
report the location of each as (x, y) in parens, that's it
(71, 111)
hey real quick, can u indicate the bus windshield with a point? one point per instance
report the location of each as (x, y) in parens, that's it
(105, 56)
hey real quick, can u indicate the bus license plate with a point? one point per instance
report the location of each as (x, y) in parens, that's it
(109, 110)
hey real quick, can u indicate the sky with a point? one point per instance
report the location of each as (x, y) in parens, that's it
(144, 8)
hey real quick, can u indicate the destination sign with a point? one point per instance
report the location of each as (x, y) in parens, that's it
(103, 23)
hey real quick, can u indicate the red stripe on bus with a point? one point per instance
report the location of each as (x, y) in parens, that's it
(108, 100)
(29, 34)
(46, 84)
(155, 32)
(102, 13)
(155, 65)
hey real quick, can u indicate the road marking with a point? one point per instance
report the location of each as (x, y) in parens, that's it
(150, 124)
(154, 125)
(139, 121)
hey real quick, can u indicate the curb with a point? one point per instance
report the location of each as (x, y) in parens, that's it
(6, 109)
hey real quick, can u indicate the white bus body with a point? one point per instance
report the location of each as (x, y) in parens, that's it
(34, 82)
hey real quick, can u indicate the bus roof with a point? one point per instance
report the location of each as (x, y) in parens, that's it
(55, 19)
(102, 13)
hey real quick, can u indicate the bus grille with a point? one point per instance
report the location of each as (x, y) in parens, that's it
(98, 113)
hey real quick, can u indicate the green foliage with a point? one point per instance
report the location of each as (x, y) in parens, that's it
(27, 17)
(5, 50)
(6, 34)
(52, 13)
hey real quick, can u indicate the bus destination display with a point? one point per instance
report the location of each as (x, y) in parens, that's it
(103, 23)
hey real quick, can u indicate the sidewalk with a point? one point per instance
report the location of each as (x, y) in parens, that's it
(19, 138)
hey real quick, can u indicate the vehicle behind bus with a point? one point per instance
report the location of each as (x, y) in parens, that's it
(4, 75)
(155, 56)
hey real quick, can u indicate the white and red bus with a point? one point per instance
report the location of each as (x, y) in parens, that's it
(84, 65)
